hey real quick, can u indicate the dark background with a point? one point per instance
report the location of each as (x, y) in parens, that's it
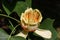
(49, 9)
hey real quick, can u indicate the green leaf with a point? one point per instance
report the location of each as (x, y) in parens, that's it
(29, 39)
(17, 38)
(3, 35)
(7, 6)
(6, 9)
(11, 25)
(20, 7)
(48, 24)
(29, 3)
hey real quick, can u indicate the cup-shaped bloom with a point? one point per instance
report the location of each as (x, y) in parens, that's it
(30, 19)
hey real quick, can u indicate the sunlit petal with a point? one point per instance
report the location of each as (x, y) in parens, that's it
(23, 34)
(31, 16)
(44, 33)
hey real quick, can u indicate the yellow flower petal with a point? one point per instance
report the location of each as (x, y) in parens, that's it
(31, 16)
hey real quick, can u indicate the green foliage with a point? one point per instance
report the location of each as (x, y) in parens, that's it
(17, 38)
(5, 36)
(11, 25)
(18, 7)
(7, 10)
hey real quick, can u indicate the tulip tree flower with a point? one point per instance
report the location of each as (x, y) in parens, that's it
(30, 21)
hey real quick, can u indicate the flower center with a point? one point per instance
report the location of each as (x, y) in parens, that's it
(31, 17)
(29, 28)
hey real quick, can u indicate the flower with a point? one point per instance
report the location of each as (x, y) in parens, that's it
(30, 20)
